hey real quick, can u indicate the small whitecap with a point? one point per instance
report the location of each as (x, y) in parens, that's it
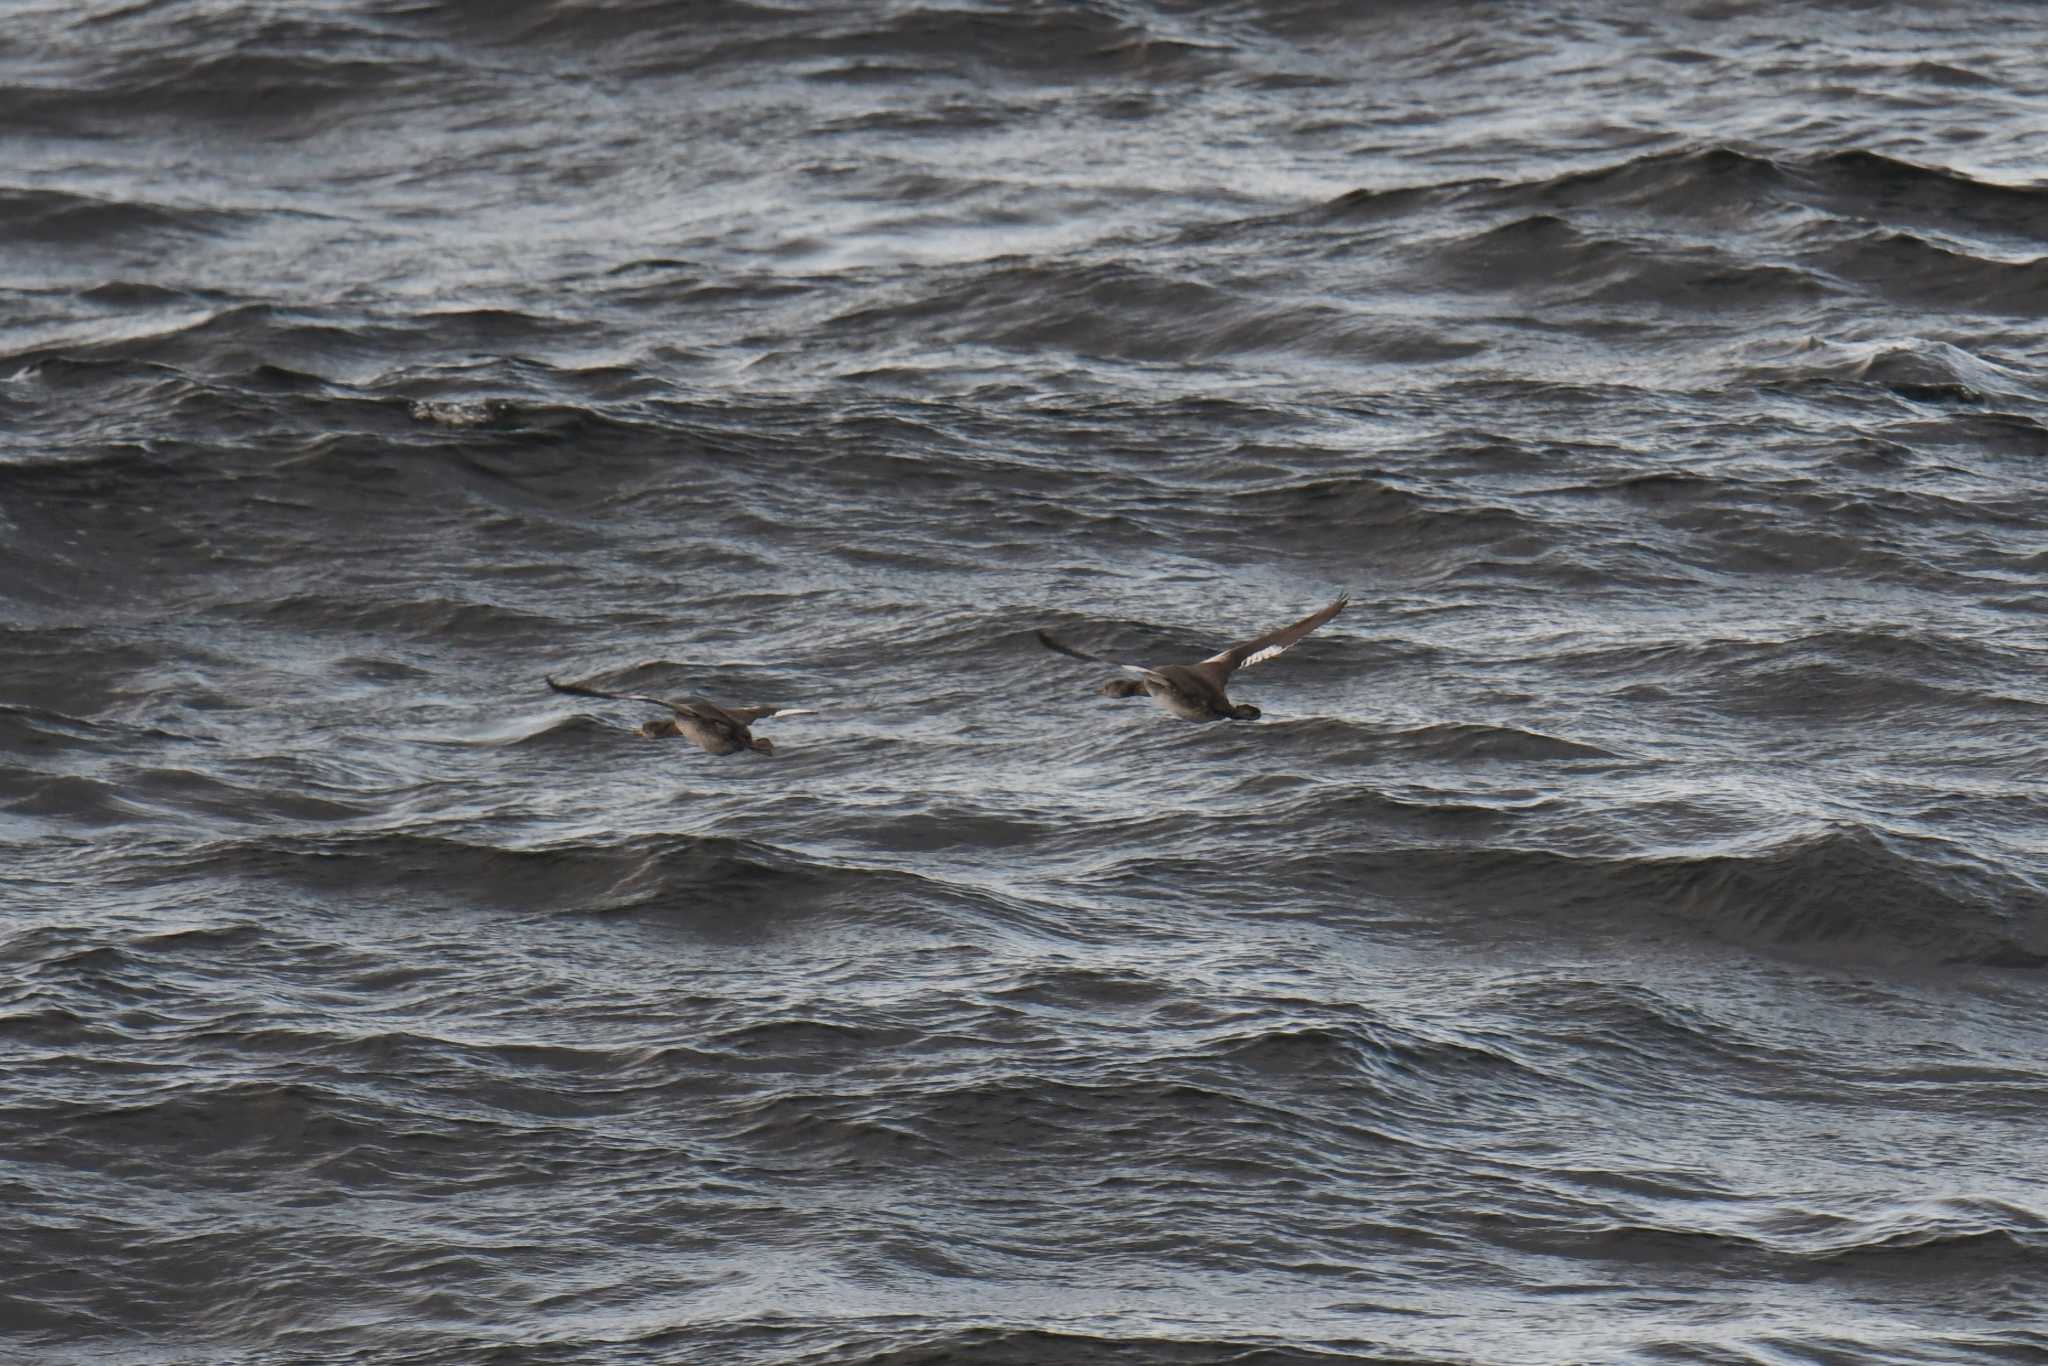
(453, 413)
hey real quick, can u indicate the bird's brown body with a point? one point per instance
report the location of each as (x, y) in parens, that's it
(714, 729)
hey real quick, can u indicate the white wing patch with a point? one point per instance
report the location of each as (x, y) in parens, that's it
(1256, 657)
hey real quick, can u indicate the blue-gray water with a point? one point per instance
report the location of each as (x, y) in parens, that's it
(1621, 939)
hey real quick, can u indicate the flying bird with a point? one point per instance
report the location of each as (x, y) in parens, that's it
(718, 730)
(1197, 691)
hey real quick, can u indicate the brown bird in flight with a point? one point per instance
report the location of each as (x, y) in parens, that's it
(718, 730)
(1196, 691)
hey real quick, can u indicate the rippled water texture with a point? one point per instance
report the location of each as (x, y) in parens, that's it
(1621, 939)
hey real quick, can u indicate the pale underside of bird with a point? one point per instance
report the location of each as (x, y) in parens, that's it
(1199, 692)
(716, 729)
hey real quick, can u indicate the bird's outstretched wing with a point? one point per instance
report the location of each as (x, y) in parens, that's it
(747, 716)
(578, 690)
(1262, 648)
(1054, 643)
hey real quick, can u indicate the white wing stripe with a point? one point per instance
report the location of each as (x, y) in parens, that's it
(1261, 655)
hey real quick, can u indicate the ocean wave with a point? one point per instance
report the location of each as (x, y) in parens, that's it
(1025, 1345)
(1929, 195)
(1123, 310)
(1730, 183)
(1925, 371)
(63, 217)
(434, 618)
(68, 684)
(1462, 742)
(207, 798)
(1941, 238)
(1085, 41)
(1904, 266)
(1607, 1035)
(1842, 676)
(68, 799)
(1545, 256)
(227, 1121)
(1843, 892)
(261, 343)
(649, 40)
(122, 64)
(721, 886)
(1431, 532)
(582, 876)
(31, 733)
(1950, 1237)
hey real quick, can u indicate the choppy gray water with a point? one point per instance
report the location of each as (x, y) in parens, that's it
(1621, 939)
